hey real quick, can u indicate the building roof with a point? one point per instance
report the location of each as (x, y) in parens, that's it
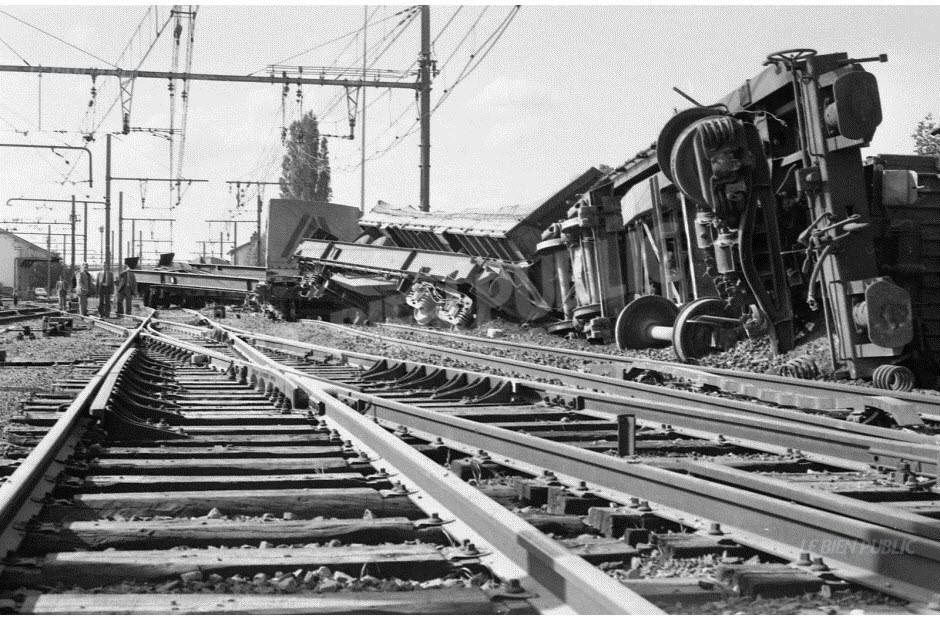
(33, 250)
(248, 244)
(243, 246)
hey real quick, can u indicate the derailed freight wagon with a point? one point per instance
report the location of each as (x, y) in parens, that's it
(757, 216)
(276, 283)
(752, 217)
(443, 267)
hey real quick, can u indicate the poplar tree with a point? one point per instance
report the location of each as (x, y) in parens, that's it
(305, 170)
(927, 138)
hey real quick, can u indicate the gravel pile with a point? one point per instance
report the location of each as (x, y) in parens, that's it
(747, 355)
(827, 603)
(319, 581)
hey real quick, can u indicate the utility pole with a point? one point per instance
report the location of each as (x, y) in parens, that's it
(108, 179)
(259, 258)
(107, 204)
(260, 204)
(362, 123)
(72, 219)
(120, 230)
(424, 86)
(133, 239)
(235, 239)
(48, 258)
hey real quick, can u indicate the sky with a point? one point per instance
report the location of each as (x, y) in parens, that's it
(564, 88)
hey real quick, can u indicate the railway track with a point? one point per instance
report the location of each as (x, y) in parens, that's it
(22, 313)
(768, 388)
(879, 528)
(187, 478)
(814, 432)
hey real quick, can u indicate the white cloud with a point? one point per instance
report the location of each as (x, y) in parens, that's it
(518, 95)
(520, 133)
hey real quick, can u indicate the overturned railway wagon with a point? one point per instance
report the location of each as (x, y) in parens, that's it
(447, 267)
(758, 215)
(754, 216)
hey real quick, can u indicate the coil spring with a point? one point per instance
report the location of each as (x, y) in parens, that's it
(895, 378)
(716, 131)
(803, 367)
(464, 317)
(420, 294)
(458, 312)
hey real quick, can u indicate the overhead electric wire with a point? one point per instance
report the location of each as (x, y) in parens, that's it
(475, 59)
(479, 56)
(339, 38)
(443, 66)
(395, 33)
(57, 38)
(408, 69)
(185, 96)
(391, 125)
(143, 58)
(10, 47)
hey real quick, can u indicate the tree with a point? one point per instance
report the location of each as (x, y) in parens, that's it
(927, 137)
(305, 170)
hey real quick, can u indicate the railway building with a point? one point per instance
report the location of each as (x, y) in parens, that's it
(24, 265)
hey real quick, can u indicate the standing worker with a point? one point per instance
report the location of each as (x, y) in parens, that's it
(105, 290)
(83, 285)
(62, 291)
(126, 288)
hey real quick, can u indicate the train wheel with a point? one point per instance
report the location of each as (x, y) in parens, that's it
(671, 131)
(692, 339)
(588, 312)
(637, 320)
(561, 328)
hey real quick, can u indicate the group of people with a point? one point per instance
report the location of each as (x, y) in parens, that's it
(104, 284)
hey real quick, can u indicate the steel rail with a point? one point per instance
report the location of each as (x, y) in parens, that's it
(20, 494)
(733, 418)
(10, 316)
(771, 388)
(572, 579)
(858, 543)
(114, 328)
(615, 385)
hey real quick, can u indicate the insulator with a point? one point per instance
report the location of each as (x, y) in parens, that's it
(803, 367)
(894, 378)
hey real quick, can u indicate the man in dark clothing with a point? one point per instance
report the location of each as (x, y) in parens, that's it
(105, 290)
(126, 287)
